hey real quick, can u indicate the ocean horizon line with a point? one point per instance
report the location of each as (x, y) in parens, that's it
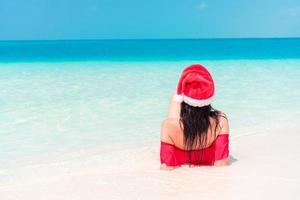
(157, 39)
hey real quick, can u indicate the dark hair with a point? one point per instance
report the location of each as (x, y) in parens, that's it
(195, 122)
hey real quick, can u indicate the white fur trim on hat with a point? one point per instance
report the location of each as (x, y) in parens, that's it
(193, 102)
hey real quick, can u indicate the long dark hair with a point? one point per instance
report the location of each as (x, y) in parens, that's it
(195, 123)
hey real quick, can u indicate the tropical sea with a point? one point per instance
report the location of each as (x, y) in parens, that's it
(79, 118)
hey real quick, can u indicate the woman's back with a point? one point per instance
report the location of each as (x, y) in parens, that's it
(174, 153)
(172, 133)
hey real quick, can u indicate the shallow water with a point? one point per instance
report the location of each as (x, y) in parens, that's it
(53, 108)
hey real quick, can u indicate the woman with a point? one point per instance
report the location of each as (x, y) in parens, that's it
(194, 133)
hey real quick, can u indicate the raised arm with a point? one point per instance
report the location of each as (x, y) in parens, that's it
(174, 108)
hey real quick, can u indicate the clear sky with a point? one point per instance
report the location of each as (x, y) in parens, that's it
(116, 19)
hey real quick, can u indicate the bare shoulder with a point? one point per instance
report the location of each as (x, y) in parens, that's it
(223, 123)
(169, 127)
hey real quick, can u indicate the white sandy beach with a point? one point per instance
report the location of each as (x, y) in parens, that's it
(264, 165)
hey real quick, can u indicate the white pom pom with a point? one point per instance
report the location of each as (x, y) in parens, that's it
(178, 98)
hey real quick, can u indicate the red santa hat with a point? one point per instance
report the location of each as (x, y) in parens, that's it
(195, 86)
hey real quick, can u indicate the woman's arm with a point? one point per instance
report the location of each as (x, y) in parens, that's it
(174, 108)
(224, 129)
(166, 129)
(173, 112)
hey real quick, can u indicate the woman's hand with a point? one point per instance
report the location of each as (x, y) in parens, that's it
(163, 166)
(220, 163)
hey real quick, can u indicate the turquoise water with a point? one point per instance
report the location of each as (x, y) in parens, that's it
(97, 101)
(189, 49)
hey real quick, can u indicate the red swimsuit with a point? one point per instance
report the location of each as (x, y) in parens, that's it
(174, 156)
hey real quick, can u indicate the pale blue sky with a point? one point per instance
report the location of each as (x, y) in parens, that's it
(119, 19)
